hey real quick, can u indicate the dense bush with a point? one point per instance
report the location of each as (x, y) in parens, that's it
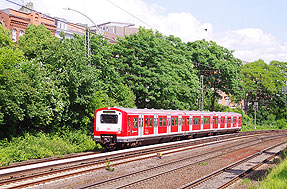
(41, 145)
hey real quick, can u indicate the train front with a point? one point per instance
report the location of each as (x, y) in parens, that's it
(107, 126)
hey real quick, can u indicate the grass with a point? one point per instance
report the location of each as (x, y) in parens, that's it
(277, 177)
(43, 145)
(250, 127)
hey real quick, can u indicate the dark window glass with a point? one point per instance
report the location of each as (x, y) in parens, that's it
(109, 118)
(160, 122)
(146, 122)
(135, 123)
(175, 124)
(183, 121)
(150, 122)
(164, 122)
(187, 121)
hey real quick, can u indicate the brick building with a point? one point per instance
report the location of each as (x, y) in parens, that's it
(112, 30)
(17, 20)
(68, 28)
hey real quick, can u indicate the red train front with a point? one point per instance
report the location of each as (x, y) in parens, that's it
(119, 127)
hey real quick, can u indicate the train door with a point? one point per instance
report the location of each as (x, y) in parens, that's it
(239, 121)
(215, 122)
(162, 124)
(206, 122)
(234, 121)
(133, 126)
(222, 122)
(148, 125)
(196, 123)
(228, 122)
(185, 123)
(174, 124)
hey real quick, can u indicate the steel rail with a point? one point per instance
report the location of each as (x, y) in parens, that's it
(172, 170)
(133, 153)
(222, 170)
(81, 172)
(78, 167)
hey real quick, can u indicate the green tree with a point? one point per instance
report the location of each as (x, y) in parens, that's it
(5, 39)
(75, 77)
(112, 82)
(36, 40)
(157, 69)
(263, 83)
(220, 69)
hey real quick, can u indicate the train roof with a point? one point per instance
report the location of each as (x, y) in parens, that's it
(162, 111)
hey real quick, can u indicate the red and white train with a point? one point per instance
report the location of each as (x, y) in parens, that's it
(119, 127)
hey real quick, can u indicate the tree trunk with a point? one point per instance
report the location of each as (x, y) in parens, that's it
(213, 100)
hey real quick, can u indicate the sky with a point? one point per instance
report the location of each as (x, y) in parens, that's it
(254, 29)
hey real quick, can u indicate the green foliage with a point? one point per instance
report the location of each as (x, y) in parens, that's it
(221, 70)
(40, 145)
(75, 77)
(157, 69)
(37, 40)
(5, 39)
(109, 166)
(277, 178)
(263, 84)
(281, 124)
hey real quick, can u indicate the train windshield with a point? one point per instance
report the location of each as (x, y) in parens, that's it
(109, 118)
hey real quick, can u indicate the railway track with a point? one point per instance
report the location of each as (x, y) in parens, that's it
(97, 163)
(226, 176)
(137, 178)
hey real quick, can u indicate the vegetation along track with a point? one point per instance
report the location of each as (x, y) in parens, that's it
(95, 164)
(139, 177)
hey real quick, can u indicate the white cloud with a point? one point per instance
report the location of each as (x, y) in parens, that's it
(249, 44)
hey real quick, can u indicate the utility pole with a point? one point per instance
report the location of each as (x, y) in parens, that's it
(87, 37)
(202, 97)
(88, 43)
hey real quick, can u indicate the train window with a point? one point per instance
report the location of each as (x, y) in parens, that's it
(222, 120)
(228, 120)
(109, 118)
(187, 121)
(175, 122)
(205, 120)
(164, 122)
(183, 121)
(129, 121)
(172, 121)
(146, 122)
(160, 122)
(150, 122)
(135, 122)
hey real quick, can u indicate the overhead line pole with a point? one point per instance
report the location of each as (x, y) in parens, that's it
(87, 36)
